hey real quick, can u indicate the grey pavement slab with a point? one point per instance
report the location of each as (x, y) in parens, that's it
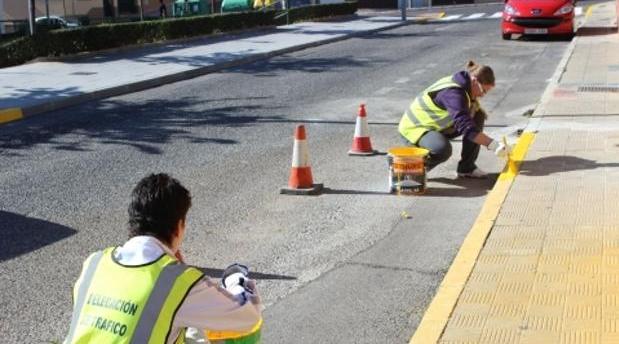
(44, 86)
(548, 268)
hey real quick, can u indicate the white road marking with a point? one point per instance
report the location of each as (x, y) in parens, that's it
(418, 71)
(383, 91)
(578, 11)
(445, 27)
(402, 80)
(474, 16)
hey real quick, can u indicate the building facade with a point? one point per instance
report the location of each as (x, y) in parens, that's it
(13, 10)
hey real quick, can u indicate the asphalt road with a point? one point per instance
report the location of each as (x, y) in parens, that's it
(345, 266)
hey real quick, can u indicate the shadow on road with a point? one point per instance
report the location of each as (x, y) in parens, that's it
(216, 273)
(465, 187)
(545, 38)
(560, 163)
(146, 126)
(353, 192)
(273, 67)
(22, 234)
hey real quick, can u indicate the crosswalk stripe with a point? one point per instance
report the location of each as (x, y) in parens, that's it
(474, 16)
(452, 17)
(578, 11)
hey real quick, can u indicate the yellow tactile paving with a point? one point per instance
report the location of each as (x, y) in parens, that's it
(555, 282)
(546, 269)
(467, 328)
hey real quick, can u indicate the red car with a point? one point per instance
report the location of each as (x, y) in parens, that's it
(538, 17)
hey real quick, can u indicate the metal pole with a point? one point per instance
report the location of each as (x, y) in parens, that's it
(47, 10)
(141, 2)
(31, 16)
(403, 9)
(64, 8)
(2, 28)
(1, 17)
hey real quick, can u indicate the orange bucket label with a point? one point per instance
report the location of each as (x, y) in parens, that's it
(408, 167)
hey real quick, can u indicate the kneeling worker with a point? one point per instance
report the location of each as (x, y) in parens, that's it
(450, 108)
(142, 291)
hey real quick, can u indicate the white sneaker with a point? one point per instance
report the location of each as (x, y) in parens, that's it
(477, 173)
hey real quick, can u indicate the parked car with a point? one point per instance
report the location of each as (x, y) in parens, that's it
(54, 22)
(538, 17)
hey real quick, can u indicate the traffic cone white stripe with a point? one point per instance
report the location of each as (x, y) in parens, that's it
(361, 128)
(300, 154)
(301, 180)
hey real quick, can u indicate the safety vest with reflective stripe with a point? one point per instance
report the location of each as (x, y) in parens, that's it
(115, 303)
(424, 115)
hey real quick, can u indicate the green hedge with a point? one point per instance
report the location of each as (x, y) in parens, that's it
(108, 36)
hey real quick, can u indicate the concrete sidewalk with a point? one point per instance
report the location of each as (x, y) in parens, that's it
(541, 264)
(44, 86)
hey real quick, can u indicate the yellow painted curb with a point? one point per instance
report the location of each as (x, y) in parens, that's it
(589, 10)
(11, 114)
(436, 316)
(431, 15)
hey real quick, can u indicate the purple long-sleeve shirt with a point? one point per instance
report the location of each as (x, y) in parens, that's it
(454, 101)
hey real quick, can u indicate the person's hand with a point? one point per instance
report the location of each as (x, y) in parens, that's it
(500, 149)
(250, 285)
(179, 256)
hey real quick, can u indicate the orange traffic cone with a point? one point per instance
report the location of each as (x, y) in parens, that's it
(361, 144)
(301, 181)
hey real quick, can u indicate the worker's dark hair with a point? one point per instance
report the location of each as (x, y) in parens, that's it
(158, 202)
(483, 73)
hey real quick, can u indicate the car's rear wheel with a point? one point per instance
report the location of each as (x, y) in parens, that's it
(507, 36)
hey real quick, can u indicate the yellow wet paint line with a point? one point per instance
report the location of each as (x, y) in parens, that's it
(589, 10)
(515, 158)
(437, 315)
(11, 114)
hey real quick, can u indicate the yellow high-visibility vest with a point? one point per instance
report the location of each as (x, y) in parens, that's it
(115, 303)
(424, 115)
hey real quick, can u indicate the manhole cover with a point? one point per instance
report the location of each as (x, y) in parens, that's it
(598, 88)
(83, 73)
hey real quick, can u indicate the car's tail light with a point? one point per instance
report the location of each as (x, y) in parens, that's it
(511, 11)
(564, 10)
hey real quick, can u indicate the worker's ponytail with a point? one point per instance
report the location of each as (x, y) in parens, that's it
(483, 73)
